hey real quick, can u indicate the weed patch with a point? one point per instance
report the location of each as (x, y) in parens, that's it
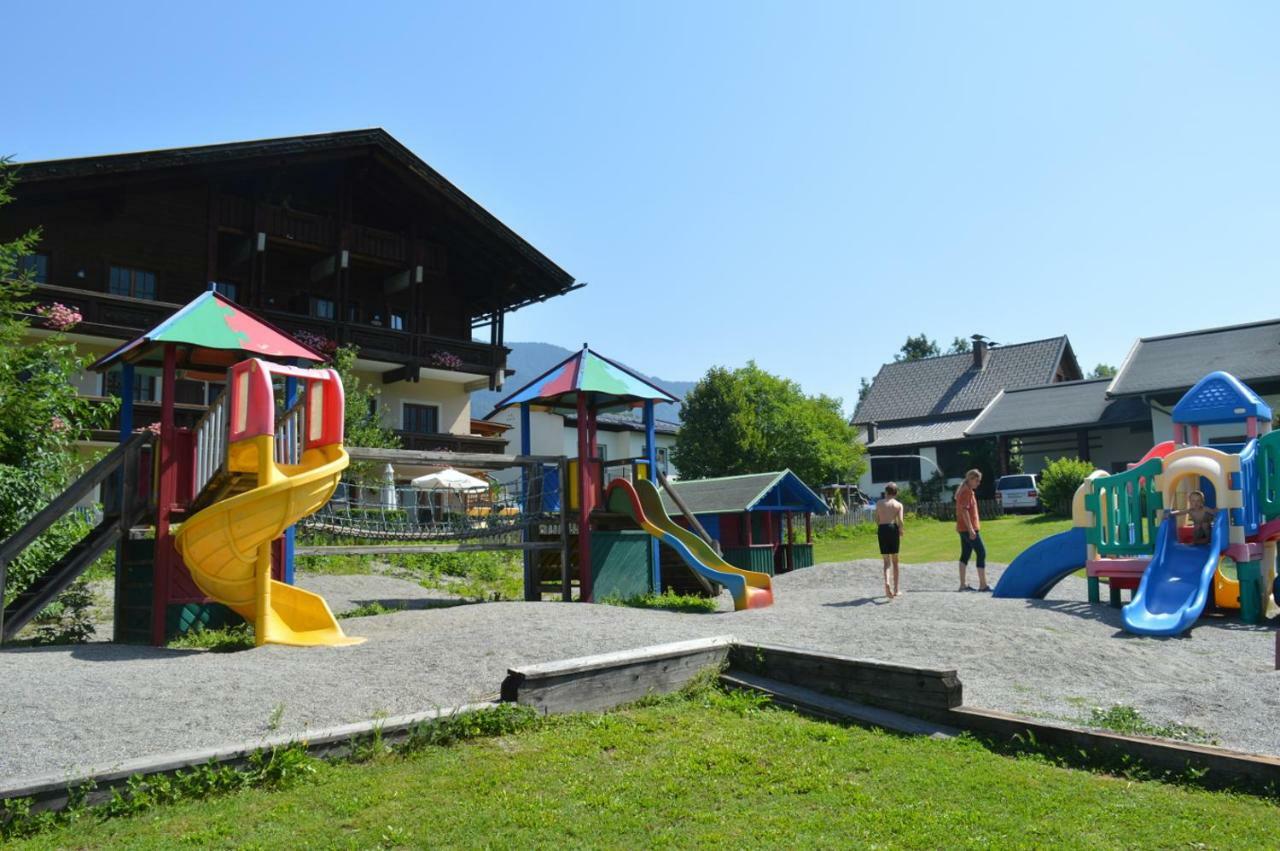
(370, 609)
(1126, 719)
(227, 639)
(669, 601)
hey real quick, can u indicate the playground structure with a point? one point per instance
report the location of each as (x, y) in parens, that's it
(199, 517)
(1124, 532)
(203, 520)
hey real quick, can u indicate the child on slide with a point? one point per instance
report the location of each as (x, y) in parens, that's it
(889, 530)
(1200, 516)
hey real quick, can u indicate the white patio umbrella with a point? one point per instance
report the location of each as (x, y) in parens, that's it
(450, 481)
(389, 487)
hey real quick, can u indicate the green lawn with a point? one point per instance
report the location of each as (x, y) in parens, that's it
(709, 770)
(936, 540)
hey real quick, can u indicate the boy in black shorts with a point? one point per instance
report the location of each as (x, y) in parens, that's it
(890, 529)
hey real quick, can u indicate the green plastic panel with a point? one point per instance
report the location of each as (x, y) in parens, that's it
(1124, 510)
(757, 558)
(1268, 461)
(620, 565)
(802, 555)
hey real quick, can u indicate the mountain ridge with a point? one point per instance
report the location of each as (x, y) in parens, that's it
(530, 360)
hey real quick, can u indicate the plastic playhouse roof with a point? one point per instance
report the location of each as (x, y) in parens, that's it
(608, 386)
(1219, 397)
(210, 331)
(777, 491)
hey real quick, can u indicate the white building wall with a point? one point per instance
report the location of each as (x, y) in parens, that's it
(453, 401)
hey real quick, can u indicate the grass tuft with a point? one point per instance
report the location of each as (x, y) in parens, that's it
(228, 639)
(370, 609)
(1126, 719)
(669, 601)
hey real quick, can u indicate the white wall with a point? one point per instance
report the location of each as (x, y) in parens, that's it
(453, 401)
(1162, 425)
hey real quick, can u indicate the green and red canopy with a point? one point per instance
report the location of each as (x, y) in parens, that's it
(608, 386)
(210, 332)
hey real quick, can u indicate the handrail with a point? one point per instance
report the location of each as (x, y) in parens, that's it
(210, 443)
(290, 436)
(12, 546)
(125, 456)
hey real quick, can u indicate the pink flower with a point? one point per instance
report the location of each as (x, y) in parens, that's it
(59, 317)
(445, 360)
(58, 424)
(319, 342)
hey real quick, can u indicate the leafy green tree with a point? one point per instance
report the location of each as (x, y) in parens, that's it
(918, 348)
(960, 346)
(362, 425)
(41, 414)
(750, 421)
(1103, 370)
(864, 387)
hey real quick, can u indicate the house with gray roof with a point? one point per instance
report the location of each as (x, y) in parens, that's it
(1159, 370)
(1066, 419)
(915, 416)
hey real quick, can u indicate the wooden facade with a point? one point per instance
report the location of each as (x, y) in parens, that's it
(346, 236)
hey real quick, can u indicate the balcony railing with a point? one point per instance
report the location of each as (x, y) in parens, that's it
(123, 318)
(427, 442)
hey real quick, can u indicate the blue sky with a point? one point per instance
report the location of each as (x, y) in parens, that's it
(804, 184)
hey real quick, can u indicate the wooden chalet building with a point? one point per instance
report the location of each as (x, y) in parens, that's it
(343, 238)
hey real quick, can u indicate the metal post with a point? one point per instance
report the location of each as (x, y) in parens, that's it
(651, 459)
(531, 578)
(165, 554)
(586, 499)
(290, 534)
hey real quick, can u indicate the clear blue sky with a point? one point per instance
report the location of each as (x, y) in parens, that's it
(804, 184)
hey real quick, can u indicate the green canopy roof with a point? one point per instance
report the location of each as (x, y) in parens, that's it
(210, 332)
(608, 386)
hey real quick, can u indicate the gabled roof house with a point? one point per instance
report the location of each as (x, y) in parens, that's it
(916, 415)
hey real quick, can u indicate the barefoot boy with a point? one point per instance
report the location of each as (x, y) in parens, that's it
(1201, 518)
(890, 530)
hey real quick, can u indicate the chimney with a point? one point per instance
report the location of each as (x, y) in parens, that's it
(981, 349)
(871, 433)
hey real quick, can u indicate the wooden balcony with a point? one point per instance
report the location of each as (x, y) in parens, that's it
(323, 232)
(123, 318)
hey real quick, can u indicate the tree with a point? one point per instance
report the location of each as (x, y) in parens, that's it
(1103, 370)
(41, 414)
(960, 346)
(917, 348)
(864, 387)
(750, 421)
(362, 421)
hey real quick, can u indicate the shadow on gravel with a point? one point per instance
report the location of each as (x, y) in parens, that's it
(1100, 612)
(412, 603)
(861, 601)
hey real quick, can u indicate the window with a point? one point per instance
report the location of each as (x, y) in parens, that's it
(602, 452)
(397, 321)
(135, 283)
(421, 419)
(663, 463)
(322, 308)
(146, 387)
(895, 469)
(36, 267)
(226, 289)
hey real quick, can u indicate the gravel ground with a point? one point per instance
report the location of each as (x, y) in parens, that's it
(92, 706)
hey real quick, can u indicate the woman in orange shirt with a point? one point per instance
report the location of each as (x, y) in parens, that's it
(969, 527)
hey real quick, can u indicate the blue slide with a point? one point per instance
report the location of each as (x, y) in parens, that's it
(1177, 583)
(1043, 565)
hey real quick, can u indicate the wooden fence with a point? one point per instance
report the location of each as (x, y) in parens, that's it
(987, 510)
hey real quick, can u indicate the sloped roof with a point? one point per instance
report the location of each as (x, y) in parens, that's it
(311, 145)
(625, 422)
(779, 491)
(212, 332)
(608, 386)
(951, 385)
(1175, 362)
(1067, 404)
(916, 434)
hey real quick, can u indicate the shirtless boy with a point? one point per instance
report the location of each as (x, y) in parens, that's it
(1201, 517)
(890, 530)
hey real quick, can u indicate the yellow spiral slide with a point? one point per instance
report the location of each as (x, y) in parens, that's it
(227, 546)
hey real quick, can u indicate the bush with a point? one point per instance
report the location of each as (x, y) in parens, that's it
(1059, 482)
(67, 620)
